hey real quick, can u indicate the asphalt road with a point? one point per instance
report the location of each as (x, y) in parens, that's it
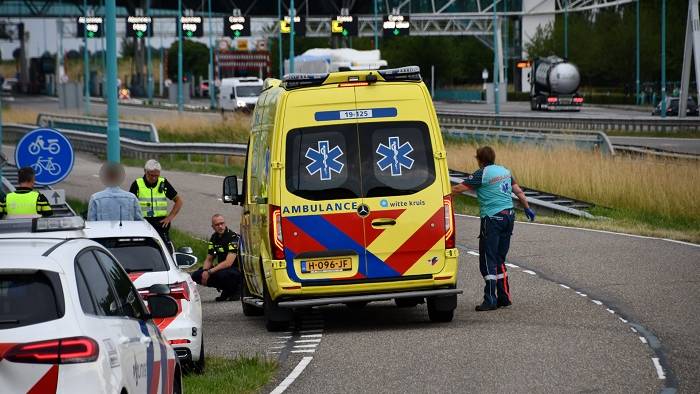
(680, 145)
(640, 303)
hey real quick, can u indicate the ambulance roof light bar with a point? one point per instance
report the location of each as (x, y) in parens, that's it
(408, 73)
(295, 81)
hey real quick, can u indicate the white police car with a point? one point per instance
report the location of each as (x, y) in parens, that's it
(71, 321)
(146, 259)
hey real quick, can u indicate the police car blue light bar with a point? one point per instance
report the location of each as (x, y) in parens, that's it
(295, 81)
(408, 73)
(39, 225)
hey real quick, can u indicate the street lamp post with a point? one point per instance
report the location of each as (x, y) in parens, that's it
(212, 103)
(112, 104)
(180, 104)
(638, 92)
(279, 38)
(495, 60)
(663, 58)
(86, 62)
(291, 35)
(376, 31)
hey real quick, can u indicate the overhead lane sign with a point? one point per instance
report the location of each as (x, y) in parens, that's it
(139, 26)
(299, 26)
(236, 26)
(192, 26)
(396, 25)
(94, 26)
(344, 26)
(48, 153)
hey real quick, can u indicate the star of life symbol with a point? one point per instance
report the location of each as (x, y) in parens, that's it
(395, 156)
(324, 160)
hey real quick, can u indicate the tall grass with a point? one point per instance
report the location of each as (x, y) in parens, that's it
(663, 189)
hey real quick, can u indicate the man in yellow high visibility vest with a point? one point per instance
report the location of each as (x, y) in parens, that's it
(153, 192)
(25, 201)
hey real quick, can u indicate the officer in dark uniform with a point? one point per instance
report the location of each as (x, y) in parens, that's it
(25, 201)
(225, 275)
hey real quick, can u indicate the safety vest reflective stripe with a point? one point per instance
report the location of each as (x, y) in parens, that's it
(153, 201)
(23, 204)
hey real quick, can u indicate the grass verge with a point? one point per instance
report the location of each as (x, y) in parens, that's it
(241, 375)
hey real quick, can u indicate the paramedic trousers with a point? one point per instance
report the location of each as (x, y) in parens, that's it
(226, 280)
(494, 241)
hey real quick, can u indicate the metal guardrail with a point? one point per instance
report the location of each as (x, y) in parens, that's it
(594, 140)
(97, 143)
(571, 123)
(140, 131)
(646, 150)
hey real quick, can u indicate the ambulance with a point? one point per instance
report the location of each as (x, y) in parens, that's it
(346, 197)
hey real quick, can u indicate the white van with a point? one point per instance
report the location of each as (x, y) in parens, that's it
(237, 94)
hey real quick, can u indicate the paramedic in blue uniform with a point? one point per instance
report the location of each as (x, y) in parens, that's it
(493, 185)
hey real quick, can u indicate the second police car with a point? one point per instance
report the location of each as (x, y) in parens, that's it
(71, 321)
(346, 196)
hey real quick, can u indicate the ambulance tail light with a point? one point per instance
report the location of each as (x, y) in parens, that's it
(276, 233)
(450, 236)
(55, 351)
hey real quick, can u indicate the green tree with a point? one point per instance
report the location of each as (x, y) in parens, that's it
(195, 59)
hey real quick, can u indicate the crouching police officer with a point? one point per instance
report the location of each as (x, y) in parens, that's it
(25, 202)
(225, 275)
(153, 192)
(493, 185)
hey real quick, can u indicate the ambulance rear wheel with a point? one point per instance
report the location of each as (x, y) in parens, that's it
(442, 309)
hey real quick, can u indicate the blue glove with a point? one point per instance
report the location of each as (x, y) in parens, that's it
(530, 214)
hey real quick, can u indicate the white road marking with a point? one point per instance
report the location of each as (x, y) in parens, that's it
(292, 376)
(471, 252)
(622, 320)
(285, 337)
(564, 286)
(512, 265)
(307, 340)
(311, 345)
(634, 330)
(213, 176)
(659, 368)
(311, 331)
(597, 302)
(597, 231)
(304, 351)
(95, 175)
(644, 340)
(529, 272)
(312, 336)
(610, 310)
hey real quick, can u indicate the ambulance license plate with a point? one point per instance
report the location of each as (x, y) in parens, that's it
(326, 265)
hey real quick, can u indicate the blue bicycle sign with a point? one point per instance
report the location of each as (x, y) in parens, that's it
(48, 153)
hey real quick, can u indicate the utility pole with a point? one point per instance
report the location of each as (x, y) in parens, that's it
(638, 87)
(86, 62)
(212, 104)
(180, 104)
(376, 31)
(149, 65)
(112, 104)
(495, 60)
(291, 35)
(279, 38)
(663, 58)
(566, 29)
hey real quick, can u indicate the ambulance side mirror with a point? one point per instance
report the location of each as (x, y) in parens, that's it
(230, 194)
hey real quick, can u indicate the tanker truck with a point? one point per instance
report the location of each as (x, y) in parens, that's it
(554, 85)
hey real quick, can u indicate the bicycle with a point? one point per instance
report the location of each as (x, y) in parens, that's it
(46, 164)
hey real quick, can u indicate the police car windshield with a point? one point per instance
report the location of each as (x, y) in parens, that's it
(359, 160)
(136, 254)
(248, 90)
(30, 298)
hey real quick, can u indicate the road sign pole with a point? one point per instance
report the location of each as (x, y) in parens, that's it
(291, 35)
(663, 58)
(1, 134)
(495, 60)
(59, 71)
(376, 32)
(112, 104)
(149, 65)
(212, 103)
(180, 104)
(86, 62)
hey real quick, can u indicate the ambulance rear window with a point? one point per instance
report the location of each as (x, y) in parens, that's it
(359, 160)
(30, 298)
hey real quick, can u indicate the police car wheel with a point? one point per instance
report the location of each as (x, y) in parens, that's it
(198, 366)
